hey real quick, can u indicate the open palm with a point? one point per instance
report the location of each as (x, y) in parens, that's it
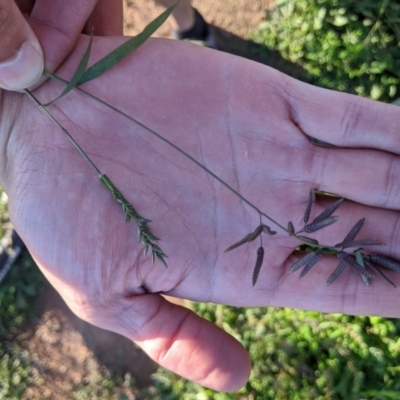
(246, 123)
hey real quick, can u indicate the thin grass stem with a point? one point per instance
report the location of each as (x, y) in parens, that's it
(175, 147)
(71, 139)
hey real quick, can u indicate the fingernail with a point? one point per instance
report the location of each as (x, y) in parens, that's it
(22, 70)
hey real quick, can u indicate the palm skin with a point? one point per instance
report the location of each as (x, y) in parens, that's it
(246, 123)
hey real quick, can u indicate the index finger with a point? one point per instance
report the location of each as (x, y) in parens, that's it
(344, 120)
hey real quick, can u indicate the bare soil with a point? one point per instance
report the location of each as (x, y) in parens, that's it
(68, 353)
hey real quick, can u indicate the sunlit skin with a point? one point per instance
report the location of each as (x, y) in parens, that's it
(244, 121)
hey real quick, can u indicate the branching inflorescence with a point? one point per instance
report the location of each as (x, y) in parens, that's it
(358, 260)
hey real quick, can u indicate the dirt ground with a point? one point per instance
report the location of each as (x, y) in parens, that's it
(66, 351)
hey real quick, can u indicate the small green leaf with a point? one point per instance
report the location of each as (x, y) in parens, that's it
(125, 49)
(78, 73)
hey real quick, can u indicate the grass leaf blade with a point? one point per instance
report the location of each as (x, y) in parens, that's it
(125, 49)
(78, 73)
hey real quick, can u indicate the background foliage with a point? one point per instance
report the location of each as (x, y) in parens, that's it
(303, 355)
(346, 45)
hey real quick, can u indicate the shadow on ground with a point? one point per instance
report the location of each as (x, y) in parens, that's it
(230, 43)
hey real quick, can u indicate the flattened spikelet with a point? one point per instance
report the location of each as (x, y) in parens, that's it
(316, 226)
(360, 243)
(304, 260)
(248, 238)
(307, 212)
(385, 262)
(380, 273)
(328, 211)
(308, 239)
(353, 233)
(337, 272)
(310, 264)
(268, 230)
(355, 265)
(259, 261)
(290, 228)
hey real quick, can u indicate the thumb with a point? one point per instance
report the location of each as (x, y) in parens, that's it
(181, 341)
(21, 57)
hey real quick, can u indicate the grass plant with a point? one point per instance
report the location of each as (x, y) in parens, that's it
(346, 45)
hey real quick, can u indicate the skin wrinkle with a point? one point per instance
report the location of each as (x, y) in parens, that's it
(211, 280)
(163, 352)
(389, 180)
(211, 369)
(189, 259)
(55, 29)
(396, 233)
(150, 321)
(285, 87)
(5, 16)
(353, 294)
(292, 112)
(349, 122)
(128, 307)
(7, 114)
(68, 34)
(229, 82)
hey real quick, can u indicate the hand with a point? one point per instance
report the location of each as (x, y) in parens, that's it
(51, 28)
(244, 121)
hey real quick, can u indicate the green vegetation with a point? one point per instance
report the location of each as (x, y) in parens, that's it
(346, 45)
(18, 292)
(300, 355)
(295, 354)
